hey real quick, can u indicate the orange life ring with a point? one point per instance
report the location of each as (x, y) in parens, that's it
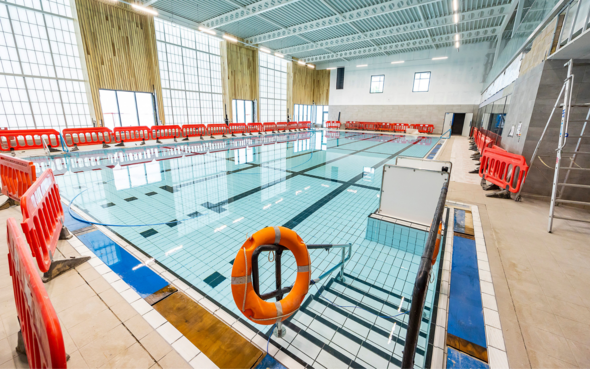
(436, 245)
(246, 299)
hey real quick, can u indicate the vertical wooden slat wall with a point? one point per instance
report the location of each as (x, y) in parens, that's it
(308, 86)
(239, 74)
(120, 50)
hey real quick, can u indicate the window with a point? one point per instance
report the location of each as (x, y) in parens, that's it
(190, 70)
(377, 84)
(421, 82)
(273, 88)
(127, 108)
(41, 80)
(243, 111)
(317, 114)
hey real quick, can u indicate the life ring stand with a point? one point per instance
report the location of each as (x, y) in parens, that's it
(247, 300)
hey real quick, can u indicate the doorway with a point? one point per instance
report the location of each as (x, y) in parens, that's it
(127, 108)
(458, 122)
(243, 111)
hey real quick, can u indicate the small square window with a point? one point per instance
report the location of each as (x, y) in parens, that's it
(377, 84)
(421, 82)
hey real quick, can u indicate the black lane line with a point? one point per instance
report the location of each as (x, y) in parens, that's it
(297, 219)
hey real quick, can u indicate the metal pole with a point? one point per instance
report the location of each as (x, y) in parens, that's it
(341, 276)
(562, 133)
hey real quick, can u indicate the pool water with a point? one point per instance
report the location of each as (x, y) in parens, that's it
(191, 206)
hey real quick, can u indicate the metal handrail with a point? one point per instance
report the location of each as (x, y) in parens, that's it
(421, 284)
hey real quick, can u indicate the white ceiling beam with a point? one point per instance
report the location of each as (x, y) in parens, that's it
(244, 12)
(398, 46)
(465, 17)
(351, 16)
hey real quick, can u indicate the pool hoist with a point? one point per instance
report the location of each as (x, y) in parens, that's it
(245, 276)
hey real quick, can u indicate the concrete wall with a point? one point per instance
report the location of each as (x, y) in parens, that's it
(455, 86)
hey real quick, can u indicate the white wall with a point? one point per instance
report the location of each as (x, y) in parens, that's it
(457, 80)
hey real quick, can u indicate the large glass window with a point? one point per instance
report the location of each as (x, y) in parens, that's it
(273, 88)
(243, 111)
(421, 82)
(41, 80)
(317, 114)
(190, 71)
(377, 83)
(127, 108)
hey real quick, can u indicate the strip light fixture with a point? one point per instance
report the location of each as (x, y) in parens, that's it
(264, 49)
(397, 62)
(362, 65)
(230, 38)
(144, 9)
(440, 58)
(207, 30)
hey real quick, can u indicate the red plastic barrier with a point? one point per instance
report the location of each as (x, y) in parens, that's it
(269, 127)
(194, 130)
(87, 136)
(42, 218)
(255, 128)
(217, 129)
(28, 139)
(505, 170)
(39, 324)
(348, 125)
(331, 134)
(333, 124)
(166, 132)
(292, 125)
(17, 176)
(400, 127)
(238, 128)
(304, 125)
(132, 134)
(281, 126)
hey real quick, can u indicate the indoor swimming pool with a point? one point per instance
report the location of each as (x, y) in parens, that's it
(191, 205)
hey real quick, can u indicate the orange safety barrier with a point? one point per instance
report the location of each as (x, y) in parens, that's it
(87, 136)
(28, 139)
(333, 124)
(17, 176)
(194, 130)
(238, 128)
(166, 132)
(292, 125)
(348, 125)
(132, 134)
(505, 170)
(216, 129)
(281, 126)
(42, 218)
(400, 127)
(39, 326)
(387, 127)
(269, 126)
(255, 128)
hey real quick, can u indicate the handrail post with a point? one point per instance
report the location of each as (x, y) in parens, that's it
(421, 284)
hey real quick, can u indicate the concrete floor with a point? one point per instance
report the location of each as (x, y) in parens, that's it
(542, 284)
(542, 280)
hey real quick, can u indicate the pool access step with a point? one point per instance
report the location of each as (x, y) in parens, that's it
(327, 323)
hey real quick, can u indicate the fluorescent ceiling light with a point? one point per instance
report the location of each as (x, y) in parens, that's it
(310, 66)
(440, 58)
(144, 9)
(331, 68)
(456, 5)
(301, 62)
(230, 38)
(457, 44)
(361, 65)
(457, 37)
(264, 49)
(207, 30)
(456, 18)
(279, 55)
(397, 62)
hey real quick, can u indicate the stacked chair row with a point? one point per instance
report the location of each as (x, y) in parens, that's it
(52, 139)
(498, 169)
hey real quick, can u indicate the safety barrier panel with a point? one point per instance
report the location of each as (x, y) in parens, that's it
(269, 127)
(331, 134)
(238, 128)
(217, 129)
(87, 136)
(42, 218)
(304, 125)
(400, 127)
(40, 327)
(17, 176)
(423, 128)
(166, 132)
(348, 125)
(281, 126)
(255, 128)
(28, 139)
(292, 126)
(132, 134)
(194, 130)
(333, 125)
(505, 170)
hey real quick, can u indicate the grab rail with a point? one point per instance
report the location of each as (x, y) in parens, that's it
(422, 279)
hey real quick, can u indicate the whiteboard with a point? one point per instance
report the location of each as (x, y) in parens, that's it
(411, 194)
(410, 162)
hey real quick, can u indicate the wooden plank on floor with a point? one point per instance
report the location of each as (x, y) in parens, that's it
(222, 345)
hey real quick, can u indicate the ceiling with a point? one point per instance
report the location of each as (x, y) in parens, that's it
(323, 30)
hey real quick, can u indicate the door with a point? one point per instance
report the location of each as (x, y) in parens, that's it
(467, 124)
(458, 121)
(447, 122)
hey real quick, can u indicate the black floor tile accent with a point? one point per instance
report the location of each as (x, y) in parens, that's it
(232, 261)
(131, 199)
(196, 214)
(168, 188)
(150, 232)
(173, 223)
(108, 205)
(216, 207)
(151, 193)
(214, 279)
